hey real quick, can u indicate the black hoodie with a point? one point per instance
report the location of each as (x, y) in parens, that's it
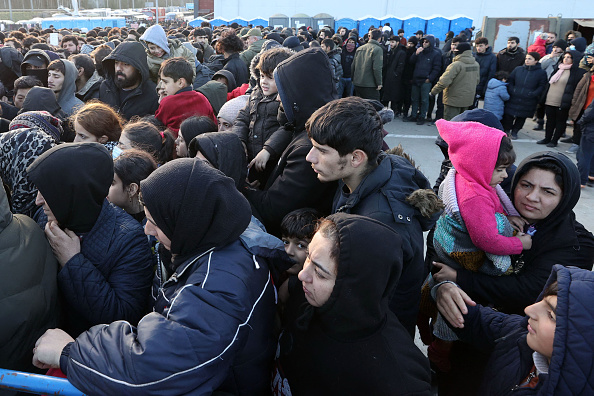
(305, 84)
(559, 239)
(140, 101)
(74, 180)
(10, 68)
(354, 344)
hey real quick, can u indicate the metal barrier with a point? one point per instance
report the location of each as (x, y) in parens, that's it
(37, 384)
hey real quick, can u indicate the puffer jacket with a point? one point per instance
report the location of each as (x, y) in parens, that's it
(382, 196)
(526, 85)
(231, 338)
(427, 63)
(488, 63)
(237, 68)
(110, 278)
(336, 63)
(256, 122)
(176, 49)
(366, 69)
(143, 99)
(508, 61)
(580, 95)
(495, 97)
(29, 290)
(538, 46)
(459, 81)
(511, 359)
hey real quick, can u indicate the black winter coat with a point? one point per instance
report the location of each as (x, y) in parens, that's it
(488, 64)
(526, 85)
(143, 100)
(393, 75)
(508, 61)
(427, 64)
(236, 66)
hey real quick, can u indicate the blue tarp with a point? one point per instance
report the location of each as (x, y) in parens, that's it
(347, 23)
(89, 23)
(412, 25)
(218, 22)
(438, 27)
(459, 24)
(196, 22)
(259, 21)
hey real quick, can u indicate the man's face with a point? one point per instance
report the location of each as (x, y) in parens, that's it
(19, 97)
(426, 44)
(323, 46)
(251, 39)
(155, 50)
(552, 37)
(511, 45)
(393, 44)
(170, 87)
(126, 76)
(401, 34)
(55, 80)
(70, 47)
(419, 36)
(202, 39)
(410, 44)
(29, 66)
(454, 46)
(322, 35)
(327, 163)
(558, 50)
(481, 48)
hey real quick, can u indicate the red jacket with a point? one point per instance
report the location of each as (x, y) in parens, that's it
(241, 90)
(176, 108)
(539, 46)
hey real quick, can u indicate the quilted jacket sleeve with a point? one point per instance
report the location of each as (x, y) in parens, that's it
(118, 293)
(241, 126)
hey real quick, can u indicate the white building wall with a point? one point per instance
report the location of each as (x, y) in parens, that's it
(476, 9)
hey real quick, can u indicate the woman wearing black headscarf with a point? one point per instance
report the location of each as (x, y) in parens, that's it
(342, 338)
(211, 328)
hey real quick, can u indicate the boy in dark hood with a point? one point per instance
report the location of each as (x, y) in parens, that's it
(293, 184)
(127, 86)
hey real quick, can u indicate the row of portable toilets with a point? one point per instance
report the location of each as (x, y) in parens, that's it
(437, 26)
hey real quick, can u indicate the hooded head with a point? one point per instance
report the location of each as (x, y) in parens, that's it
(224, 151)
(40, 120)
(41, 99)
(37, 58)
(579, 44)
(128, 52)
(227, 75)
(365, 278)
(314, 90)
(156, 35)
(10, 66)
(195, 206)
(74, 179)
(69, 85)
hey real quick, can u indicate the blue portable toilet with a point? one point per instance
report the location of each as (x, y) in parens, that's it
(259, 22)
(459, 24)
(218, 22)
(196, 22)
(439, 27)
(278, 21)
(240, 21)
(347, 23)
(412, 25)
(395, 23)
(366, 22)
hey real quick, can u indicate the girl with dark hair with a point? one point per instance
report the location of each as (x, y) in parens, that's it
(189, 129)
(97, 122)
(129, 169)
(145, 136)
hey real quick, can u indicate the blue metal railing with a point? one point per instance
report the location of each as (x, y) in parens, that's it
(37, 384)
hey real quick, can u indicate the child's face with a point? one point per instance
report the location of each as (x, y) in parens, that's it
(181, 148)
(169, 86)
(499, 175)
(155, 50)
(297, 250)
(541, 325)
(268, 85)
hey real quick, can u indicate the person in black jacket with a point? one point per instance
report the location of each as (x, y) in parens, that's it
(127, 86)
(105, 259)
(427, 61)
(407, 74)
(293, 183)
(346, 59)
(488, 63)
(396, 59)
(340, 337)
(511, 56)
(230, 46)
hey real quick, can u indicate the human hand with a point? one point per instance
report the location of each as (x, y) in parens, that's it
(419, 50)
(260, 160)
(64, 243)
(445, 273)
(427, 81)
(517, 222)
(379, 87)
(451, 303)
(48, 348)
(525, 239)
(253, 185)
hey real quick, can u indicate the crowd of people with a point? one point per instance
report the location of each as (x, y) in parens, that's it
(214, 210)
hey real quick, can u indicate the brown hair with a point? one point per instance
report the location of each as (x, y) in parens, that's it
(99, 119)
(57, 65)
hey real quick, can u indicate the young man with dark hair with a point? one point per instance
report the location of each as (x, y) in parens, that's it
(401, 37)
(427, 61)
(330, 48)
(22, 86)
(61, 79)
(367, 66)
(488, 64)
(551, 38)
(346, 135)
(70, 44)
(88, 80)
(180, 101)
(511, 56)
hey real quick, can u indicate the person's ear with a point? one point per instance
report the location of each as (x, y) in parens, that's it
(81, 71)
(132, 189)
(359, 158)
(103, 139)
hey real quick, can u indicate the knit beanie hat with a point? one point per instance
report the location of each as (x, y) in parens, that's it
(156, 35)
(231, 109)
(535, 55)
(293, 43)
(413, 39)
(561, 44)
(462, 47)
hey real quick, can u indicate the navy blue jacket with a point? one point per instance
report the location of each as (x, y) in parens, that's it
(427, 64)
(211, 329)
(110, 279)
(587, 123)
(488, 64)
(570, 370)
(525, 86)
(382, 196)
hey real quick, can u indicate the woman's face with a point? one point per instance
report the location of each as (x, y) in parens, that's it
(82, 135)
(542, 321)
(570, 37)
(125, 143)
(537, 194)
(530, 61)
(567, 59)
(319, 271)
(180, 146)
(151, 228)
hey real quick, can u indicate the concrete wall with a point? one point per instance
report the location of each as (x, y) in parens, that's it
(476, 10)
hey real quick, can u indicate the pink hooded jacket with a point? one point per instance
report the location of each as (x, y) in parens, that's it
(473, 150)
